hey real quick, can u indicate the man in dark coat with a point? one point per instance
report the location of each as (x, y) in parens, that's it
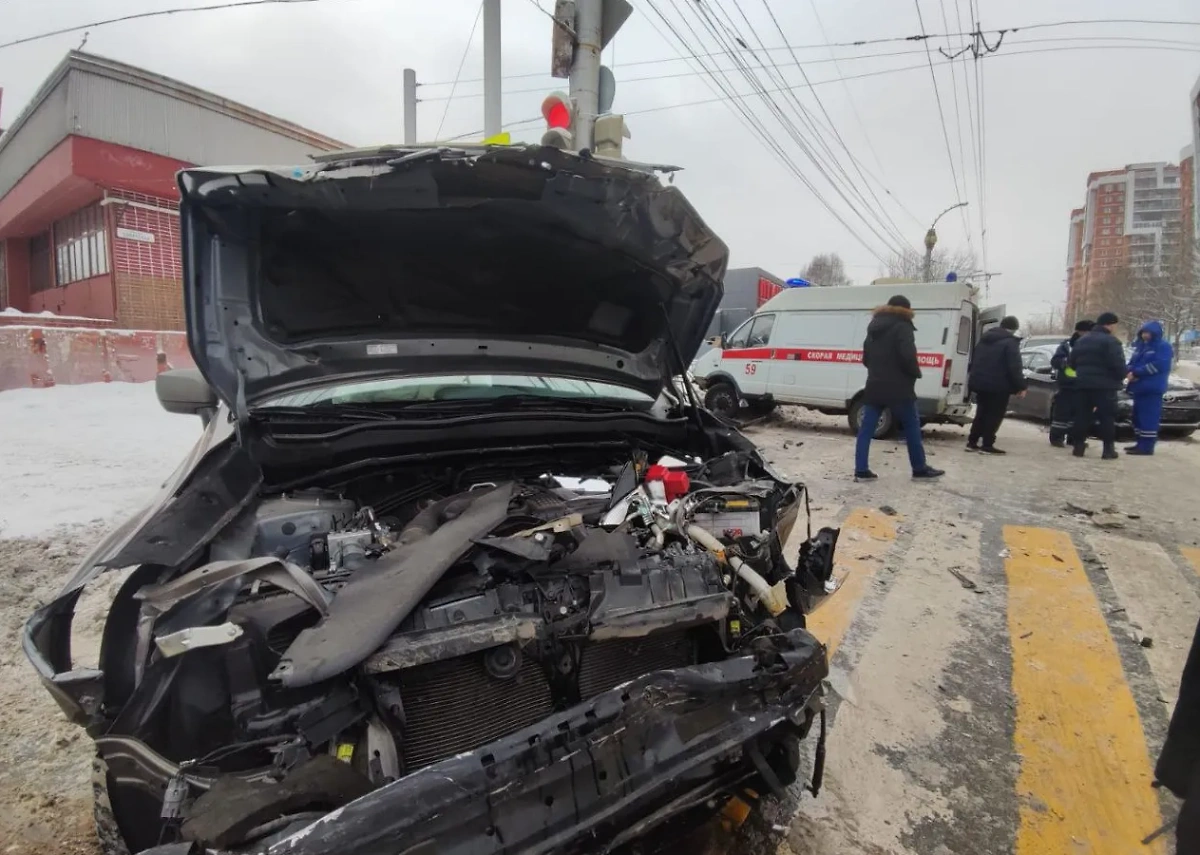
(1062, 411)
(995, 375)
(890, 356)
(1099, 364)
(1178, 767)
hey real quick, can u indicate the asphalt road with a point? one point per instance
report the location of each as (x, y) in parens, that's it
(990, 689)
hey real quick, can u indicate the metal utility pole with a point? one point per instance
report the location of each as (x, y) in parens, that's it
(931, 240)
(491, 68)
(585, 69)
(410, 106)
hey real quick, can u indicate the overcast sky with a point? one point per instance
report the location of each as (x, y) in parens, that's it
(1055, 110)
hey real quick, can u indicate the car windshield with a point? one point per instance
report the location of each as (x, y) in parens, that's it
(460, 387)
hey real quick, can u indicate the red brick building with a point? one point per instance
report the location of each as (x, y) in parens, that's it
(1132, 218)
(88, 203)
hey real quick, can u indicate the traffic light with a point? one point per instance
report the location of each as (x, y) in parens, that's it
(559, 113)
(610, 133)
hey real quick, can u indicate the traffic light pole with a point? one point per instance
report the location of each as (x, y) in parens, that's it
(585, 70)
(410, 106)
(491, 68)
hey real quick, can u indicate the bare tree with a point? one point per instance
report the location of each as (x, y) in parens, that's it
(1170, 295)
(1053, 323)
(911, 264)
(826, 270)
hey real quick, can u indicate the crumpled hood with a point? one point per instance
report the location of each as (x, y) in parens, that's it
(511, 260)
(1155, 329)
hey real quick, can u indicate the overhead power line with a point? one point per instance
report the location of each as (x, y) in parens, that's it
(867, 74)
(941, 114)
(157, 13)
(461, 63)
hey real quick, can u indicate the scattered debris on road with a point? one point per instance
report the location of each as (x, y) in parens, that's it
(962, 577)
(1146, 641)
(1108, 520)
(887, 509)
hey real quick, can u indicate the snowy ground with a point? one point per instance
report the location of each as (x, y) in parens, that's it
(80, 454)
(921, 759)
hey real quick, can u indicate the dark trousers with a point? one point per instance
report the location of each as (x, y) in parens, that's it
(990, 408)
(1062, 414)
(1095, 406)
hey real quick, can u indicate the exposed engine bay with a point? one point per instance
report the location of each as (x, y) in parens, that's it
(328, 647)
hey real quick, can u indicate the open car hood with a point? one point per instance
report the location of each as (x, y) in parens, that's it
(509, 260)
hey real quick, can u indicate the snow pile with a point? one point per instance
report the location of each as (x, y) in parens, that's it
(78, 454)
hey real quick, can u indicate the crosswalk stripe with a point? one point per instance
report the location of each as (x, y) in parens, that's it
(866, 536)
(1192, 554)
(1084, 780)
(1158, 599)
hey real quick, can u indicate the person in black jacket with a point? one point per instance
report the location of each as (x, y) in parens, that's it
(1178, 766)
(1062, 410)
(995, 375)
(890, 357)
(1099, 364)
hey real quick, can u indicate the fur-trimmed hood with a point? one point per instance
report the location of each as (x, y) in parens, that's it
(899, 311)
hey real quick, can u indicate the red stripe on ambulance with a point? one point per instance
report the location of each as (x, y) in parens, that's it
(811, 354)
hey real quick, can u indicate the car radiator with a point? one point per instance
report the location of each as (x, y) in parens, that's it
(456, 706)
(610, 663)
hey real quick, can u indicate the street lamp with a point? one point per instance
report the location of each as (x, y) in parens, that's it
(931, 240)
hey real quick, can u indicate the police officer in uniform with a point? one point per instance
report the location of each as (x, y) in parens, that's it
(1062, 412)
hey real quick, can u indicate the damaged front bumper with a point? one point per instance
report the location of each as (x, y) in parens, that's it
(602, 773)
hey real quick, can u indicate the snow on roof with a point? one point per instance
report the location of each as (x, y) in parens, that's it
(11, 312)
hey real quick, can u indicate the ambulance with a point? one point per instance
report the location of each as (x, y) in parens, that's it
(803, 347)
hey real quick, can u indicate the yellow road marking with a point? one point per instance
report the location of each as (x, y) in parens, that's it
(865, 538)
(1084, 784)
(1192, 554)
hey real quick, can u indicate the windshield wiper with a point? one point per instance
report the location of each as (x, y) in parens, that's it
(517, 401)
(330, 412)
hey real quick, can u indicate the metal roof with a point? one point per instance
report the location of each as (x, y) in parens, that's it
(92, 96)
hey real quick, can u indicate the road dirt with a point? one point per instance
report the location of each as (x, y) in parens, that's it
(921, 757)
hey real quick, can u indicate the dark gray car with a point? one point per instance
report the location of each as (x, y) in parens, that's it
(1181, 403)
(452, 568)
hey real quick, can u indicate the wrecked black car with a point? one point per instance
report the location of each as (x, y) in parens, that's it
(454, 568)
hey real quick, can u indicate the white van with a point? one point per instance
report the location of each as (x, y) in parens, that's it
(804, 347)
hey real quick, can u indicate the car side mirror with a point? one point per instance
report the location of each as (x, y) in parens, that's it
(186, 392)
(715, 341)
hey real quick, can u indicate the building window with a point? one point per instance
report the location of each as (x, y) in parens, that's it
(41, 277)
(80, 246)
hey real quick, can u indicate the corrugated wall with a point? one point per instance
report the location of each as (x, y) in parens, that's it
(117, 111)
(40, 133)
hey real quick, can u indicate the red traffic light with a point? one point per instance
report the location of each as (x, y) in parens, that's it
(556, 110)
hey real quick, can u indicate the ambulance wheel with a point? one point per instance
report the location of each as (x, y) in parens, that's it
(885, 428)
(722, 399)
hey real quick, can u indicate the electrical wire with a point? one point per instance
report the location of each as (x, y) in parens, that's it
(823, 161)
(837, 135)
(815, 146)
(828, 46)
(849, 94)
(981, 110)
(461, 63)
(757, 130)
(970, 116)
(1184, 46)
(867, 74)
(158, 13)
(938, 97)
(964, 211)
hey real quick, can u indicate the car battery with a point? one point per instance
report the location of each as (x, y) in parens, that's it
(730, 516)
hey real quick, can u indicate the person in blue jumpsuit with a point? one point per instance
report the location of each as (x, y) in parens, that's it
(1149, 369)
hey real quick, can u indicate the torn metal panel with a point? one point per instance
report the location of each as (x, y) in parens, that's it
(376, 600)
(411, 649)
